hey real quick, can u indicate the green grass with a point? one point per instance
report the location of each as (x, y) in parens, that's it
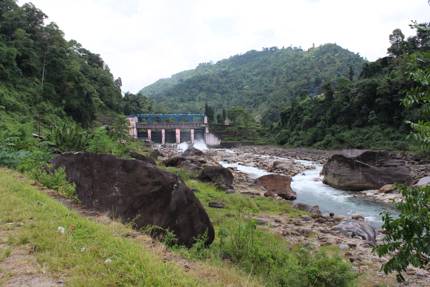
(80, 253)
(258, 251)
(235, 202)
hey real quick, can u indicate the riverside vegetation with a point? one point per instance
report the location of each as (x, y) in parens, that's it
(56, 96)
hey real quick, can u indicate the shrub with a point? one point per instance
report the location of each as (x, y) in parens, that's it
(55, 180)
(11, 158)
(407, 238)
(264, 255)
(68, 137)
(101, 142)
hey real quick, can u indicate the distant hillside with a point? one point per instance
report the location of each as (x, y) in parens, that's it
(257, 80)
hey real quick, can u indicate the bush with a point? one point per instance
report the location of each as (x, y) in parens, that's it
(68, 137)
(407, 238)
(102, 142)
(10, 158)
(262, 254)
(55, 180)
(265, 255)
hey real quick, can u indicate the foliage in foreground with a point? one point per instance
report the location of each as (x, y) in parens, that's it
(269, 257)
(407, 238)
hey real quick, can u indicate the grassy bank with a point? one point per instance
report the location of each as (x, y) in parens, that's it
(258, 251)
(88, 253)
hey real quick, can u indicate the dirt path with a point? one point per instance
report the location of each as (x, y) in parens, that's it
(18, 267)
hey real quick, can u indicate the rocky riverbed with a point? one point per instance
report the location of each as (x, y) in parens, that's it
(348, 231)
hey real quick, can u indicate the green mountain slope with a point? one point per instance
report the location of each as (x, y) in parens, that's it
(369, 111)
(44, 78)
(257, 80)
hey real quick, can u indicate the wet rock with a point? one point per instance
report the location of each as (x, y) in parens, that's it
(314, 210)
(192, 151)
(220, 176)
(191, 164)
(282, 166)
(277, 184)
(137, 192)
(216, 204)
(357, 217)
(364, 170)
(357, 228)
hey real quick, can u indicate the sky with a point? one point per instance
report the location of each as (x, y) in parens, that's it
(145, 40)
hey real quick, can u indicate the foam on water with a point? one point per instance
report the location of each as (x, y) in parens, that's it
(252, 172)
(182, 146)
(311, 190)
(200, 145)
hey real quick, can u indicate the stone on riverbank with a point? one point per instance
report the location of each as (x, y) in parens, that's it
(137, 192)
(276, 184)
(365, 170)
(357, 228)
(220, 176)
(314, 210)
(423, 181)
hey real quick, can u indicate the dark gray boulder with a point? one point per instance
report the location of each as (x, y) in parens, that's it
(220, 176)
(312, 209)
(137, 192)
(142, 157)
(192, 151)
(192, 164)
(365, 170)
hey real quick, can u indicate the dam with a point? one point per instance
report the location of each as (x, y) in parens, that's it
(171, 128)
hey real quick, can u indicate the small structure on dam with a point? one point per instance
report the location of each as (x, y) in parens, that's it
(171, 128)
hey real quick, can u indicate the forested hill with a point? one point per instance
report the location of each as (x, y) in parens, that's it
(45, 78)
(257, 80)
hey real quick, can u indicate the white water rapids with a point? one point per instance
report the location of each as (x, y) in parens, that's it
(312, 191)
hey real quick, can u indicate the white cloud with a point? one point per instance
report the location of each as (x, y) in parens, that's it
(144, 40)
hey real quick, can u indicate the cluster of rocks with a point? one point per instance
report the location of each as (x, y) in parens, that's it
(352, 235)
(271, 163)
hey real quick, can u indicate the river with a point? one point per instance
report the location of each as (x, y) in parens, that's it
(311, 190)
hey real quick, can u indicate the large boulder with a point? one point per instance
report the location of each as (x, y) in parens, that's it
(365, 170)
(312, 209)
(143, 158)
(220, 176)
(192, 164)
(276, 184)
(192, 151)
(137, 192)
(357, 228)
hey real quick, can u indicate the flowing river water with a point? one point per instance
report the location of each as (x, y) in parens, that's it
(311, 190)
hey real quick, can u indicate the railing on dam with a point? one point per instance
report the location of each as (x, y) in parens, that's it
(181, 125)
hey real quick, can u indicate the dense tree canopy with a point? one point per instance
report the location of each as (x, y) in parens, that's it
(366, 112)
(43, 74)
